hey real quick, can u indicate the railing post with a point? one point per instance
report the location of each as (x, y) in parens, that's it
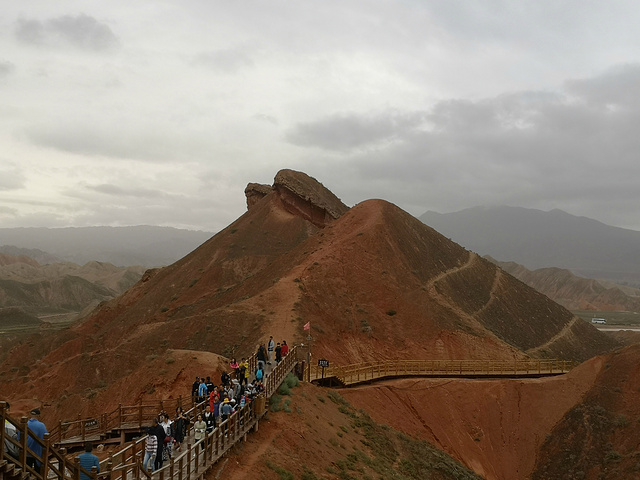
(23, 441)
(189, 456)
(45, 456)
(76, 468)
(140, 413)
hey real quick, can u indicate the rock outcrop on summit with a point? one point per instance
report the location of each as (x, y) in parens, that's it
(374, 282)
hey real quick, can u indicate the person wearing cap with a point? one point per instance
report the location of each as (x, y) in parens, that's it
(88, 460)
(225, 410)
(39, 429)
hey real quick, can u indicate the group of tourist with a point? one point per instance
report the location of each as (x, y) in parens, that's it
(165, 434)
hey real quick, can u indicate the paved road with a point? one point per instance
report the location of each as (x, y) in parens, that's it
(618, 328)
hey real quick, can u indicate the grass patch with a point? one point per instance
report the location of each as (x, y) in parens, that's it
(282, 473)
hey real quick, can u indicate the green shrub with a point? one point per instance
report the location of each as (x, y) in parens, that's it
(291, 380)
(284, 389)
(275, 403)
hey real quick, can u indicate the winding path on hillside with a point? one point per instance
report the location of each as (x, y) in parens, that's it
(565, 331)
(445, 302)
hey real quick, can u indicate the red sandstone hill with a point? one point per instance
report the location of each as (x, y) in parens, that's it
(374, 282)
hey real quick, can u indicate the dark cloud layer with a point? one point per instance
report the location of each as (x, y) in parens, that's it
(81, 31)
(6, 68)
(345, 132)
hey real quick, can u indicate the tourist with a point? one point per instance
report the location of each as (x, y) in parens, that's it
(194, 389)
(270, 348)
(10, 431)
(179, 427)
(202, 391)
(37, 427)
(261, 356)
(225, 410)
(233, 364)
(209, 385)
(160, 435)
(150, 447)
(225, 379)
(259, 373)
(209, 419)
(278, 353)
(285, 349)
(200, 429)
(87, 461)
(168, 440)
(243, 371)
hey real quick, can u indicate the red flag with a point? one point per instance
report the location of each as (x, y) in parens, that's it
(307, 326)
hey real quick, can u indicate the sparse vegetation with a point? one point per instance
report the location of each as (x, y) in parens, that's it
(391, 313)
(284, 474)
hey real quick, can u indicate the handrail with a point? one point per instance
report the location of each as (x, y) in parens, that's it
(126, 463)
(366, 371)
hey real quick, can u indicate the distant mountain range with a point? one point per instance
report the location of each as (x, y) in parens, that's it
(573, 292)
(538, 239)
(121, 246)
(29, 290)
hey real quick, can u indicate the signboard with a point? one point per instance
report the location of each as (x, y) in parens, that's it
(323, 363)
(90, 424)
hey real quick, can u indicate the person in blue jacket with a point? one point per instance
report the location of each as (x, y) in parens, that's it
(39, 429)
(88, 460)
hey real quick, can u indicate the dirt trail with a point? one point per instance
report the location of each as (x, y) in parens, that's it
(565, 330)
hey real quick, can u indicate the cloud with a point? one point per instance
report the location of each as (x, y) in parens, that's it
(11, 178)
(6, 68)
(81, 31)
(115, 190)
(531, 148)
(348, 131)
(229, 60)
(30, 31)
(617, 87)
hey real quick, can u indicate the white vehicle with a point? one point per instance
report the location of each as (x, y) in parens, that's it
(598, 320)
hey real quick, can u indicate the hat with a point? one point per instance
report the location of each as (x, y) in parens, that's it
(226, 400)
(35, 411)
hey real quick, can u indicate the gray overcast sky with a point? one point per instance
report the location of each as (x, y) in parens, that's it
(160, 112)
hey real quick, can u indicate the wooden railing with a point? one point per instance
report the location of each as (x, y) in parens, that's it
(126, 464)
(361, 372)
(123, 416)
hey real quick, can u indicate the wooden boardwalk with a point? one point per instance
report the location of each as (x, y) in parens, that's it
(197, 458)
(344, 376)
(126, 464)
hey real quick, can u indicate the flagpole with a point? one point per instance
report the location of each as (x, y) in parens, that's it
(307, 326)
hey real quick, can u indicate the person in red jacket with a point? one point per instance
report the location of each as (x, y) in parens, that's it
(284, 349)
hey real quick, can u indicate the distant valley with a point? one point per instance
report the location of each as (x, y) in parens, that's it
(143, 245)
(29, 291)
